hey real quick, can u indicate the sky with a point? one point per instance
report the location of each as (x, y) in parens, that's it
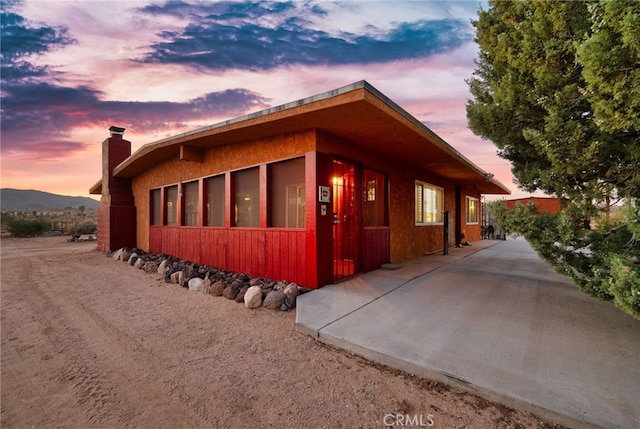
(71, 69)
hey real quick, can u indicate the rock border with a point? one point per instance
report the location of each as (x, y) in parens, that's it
(254, 292)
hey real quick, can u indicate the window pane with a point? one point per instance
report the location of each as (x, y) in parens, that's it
(171, 205)
(429, 203)
(156, 210)
(247, 197)
(287, 198)
(419, 204)
(375, 199)
(472, 210)
(190, 191)
(215, 200)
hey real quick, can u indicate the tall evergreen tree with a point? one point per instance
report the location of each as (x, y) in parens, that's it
(557, 90)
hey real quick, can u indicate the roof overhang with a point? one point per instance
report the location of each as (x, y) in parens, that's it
(357, 113)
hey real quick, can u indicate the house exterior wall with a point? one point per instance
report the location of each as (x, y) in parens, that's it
(216, 160)
(407, 240)
(300, 255)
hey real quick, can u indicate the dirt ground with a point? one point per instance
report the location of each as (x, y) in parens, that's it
(88, 342)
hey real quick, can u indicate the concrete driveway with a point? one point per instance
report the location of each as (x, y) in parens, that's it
(495, 319)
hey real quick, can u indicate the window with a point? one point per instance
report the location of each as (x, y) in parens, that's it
(375, 199)
(156, 208)
(247, 197)
(472, 210)
(171, 205)
(287, 194)
(215, 200)
(190, 203)
(429, 203)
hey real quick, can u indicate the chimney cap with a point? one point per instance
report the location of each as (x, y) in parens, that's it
(116, 130)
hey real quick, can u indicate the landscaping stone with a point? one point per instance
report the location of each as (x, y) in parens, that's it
(175, 277)
(274, 300)
(162, 266)
(217, 288)
(196, 284)
(253, 291)
(253, 297)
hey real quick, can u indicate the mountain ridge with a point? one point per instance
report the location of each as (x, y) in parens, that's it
(31, 199)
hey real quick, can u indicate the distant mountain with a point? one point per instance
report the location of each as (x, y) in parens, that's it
(20, 199)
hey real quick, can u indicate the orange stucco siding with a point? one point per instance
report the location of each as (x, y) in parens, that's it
(216, 160)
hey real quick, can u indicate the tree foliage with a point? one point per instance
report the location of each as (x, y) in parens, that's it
(557, 90)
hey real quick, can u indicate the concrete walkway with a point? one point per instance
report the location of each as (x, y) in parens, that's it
(498, 322)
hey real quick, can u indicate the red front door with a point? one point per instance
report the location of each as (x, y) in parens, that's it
(346, 226)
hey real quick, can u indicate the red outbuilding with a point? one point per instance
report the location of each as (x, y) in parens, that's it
(311, 192)
(543, 204)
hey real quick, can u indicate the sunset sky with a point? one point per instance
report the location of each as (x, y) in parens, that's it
(71, 69)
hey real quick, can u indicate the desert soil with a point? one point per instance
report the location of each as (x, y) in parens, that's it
(88, 342)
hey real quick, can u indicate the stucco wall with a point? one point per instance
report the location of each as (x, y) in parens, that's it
(216, 160)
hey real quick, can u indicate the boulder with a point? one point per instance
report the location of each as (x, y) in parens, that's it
(175, 277)
(217, 288)
(240, 297)
(139, 263)
(132, 258)
(162, 266)
(230, 292)
(291, 290)
(289, 303)
(196, 284)
(117, 256)
(206, 286)
(253, 297)
(150, 267)
(274, 300)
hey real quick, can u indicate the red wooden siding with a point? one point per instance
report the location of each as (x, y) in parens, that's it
(277, 254)
(376, 248)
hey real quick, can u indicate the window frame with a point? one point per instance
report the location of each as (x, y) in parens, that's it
(186, 212)
(475, 210)
(211, 208)
(252, 207)
(155, 207)
(167, 201)
(439, 198)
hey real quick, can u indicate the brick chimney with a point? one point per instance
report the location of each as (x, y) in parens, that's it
(117, 212)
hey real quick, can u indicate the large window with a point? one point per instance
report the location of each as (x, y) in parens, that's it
(247, 197)
(215, 200)
(190, 204)
(429, 203)
(375, 199)
(171, 205)
(287, 192)
(472, 210)
(156, 208)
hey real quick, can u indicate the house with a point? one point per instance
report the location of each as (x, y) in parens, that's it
(312, 191)
(543, 204)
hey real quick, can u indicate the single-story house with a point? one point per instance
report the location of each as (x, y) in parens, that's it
(311, 192)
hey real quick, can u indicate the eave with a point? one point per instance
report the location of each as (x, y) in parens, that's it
(357, 113)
